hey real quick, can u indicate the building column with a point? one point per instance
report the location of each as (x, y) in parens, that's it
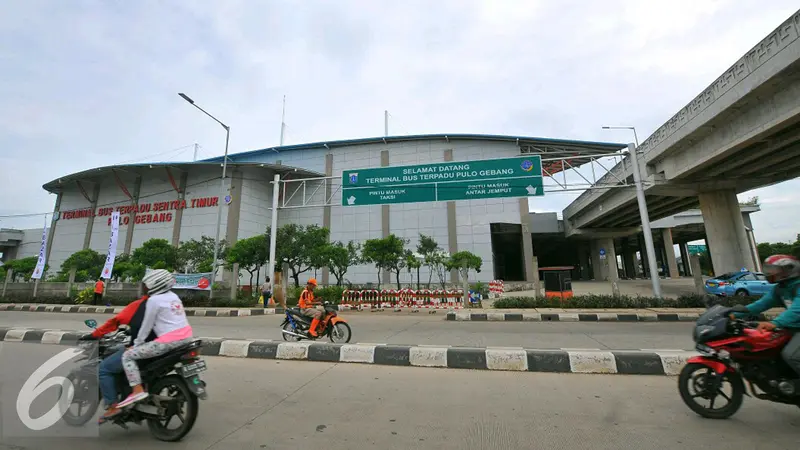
(643, 257)
(326, 212)
(725, 231)
(583, 258)
(178, 220)
(452, 233)
(604, 269)
(531, 276)
(751, 237)
(87, 237)
(232, 221)
(629, 262)
(52, 232)
(137, 188)
(386, 277)
(669, 252)
(687, 266)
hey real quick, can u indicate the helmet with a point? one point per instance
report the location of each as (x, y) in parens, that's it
(312, 281)
(158, 281)
(781, 267)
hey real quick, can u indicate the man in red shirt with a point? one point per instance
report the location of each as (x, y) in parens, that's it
(99, 287)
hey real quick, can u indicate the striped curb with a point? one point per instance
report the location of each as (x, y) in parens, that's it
(197, 312)
(576, 317)
(589, 361)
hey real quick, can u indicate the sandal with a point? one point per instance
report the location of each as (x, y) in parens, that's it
(111, 413)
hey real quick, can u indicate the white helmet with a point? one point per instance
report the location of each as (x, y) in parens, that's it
(158, 281)
(781, 267)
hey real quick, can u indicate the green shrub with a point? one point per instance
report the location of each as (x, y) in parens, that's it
(611, 302)
(85, 296)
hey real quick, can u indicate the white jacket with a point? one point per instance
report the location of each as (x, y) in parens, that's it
(163, 314)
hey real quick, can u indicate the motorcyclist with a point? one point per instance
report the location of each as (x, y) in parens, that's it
(307, 305)
(784, 272)
(111, 366)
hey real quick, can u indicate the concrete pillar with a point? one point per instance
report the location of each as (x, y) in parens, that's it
(694, 261)
(604, 269)
(531, 275)
(583, 258)
(725, 231)
(9, 275)
(386, 277)
(643, 257)
(52, 232)
(178, 216)
(687, 266)
(326, 211)
(669, 252)
(137, 187)
(232, 223)
(751, 238)
(629, 262)
(87, 237)
(452, 234)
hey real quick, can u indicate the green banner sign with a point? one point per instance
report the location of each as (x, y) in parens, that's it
(462, 180)
(696, 249)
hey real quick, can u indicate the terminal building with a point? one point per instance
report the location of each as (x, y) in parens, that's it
(179, 201)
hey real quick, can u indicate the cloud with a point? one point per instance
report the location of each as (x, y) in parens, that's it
(94, 83)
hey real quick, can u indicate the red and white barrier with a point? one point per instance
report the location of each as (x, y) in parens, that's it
(415, 300)
(496, 288)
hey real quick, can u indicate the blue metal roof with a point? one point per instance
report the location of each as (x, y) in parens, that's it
(598, 147)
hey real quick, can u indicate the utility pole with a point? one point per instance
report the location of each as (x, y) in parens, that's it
(195, 151)
(386, 122)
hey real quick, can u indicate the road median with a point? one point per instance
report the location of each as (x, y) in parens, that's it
(585, 361)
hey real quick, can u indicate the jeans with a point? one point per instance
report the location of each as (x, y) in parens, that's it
(110, 367)
(791, 353)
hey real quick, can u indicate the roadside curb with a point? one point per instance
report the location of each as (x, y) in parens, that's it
(196, 312)
(577, 317)
(625, 362)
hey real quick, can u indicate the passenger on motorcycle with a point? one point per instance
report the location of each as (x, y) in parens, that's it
(164, 315)
(132, 316)
(307, 306)
(784, 271)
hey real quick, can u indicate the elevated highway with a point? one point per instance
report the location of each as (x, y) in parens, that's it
(742, 132)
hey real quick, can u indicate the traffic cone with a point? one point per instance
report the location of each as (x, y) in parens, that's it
(271, 302)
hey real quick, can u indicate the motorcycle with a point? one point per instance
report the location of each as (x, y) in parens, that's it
(733, 352)
(172, 379)
(295, 326)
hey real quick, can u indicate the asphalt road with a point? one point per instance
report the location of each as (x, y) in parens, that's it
(260, 404)
(416, 329)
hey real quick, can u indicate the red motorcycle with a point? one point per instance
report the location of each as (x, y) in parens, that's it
(734, 352)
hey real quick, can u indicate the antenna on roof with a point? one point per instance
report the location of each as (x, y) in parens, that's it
(386, 122)
(283, 120)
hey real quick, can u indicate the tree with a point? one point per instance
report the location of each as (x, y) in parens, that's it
(300, 246)
(437, 261)
(339, 258)
(411, 263)
(250, 254)
(429, 249)
(126, 269)
(156, 254)
(386, 254)
(465, 261)
(198, 256)
(87, 265)
(23, 268)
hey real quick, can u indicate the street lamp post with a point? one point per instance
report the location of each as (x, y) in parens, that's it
(643, 213)
(221, 189)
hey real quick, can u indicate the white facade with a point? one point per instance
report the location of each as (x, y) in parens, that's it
(250, 176)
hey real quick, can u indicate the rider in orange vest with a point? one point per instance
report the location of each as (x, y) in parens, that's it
(307, 306)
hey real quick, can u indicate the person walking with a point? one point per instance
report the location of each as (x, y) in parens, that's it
(266, 291)
(99, 287)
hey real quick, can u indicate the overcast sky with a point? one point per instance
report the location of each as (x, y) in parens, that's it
(94, 83)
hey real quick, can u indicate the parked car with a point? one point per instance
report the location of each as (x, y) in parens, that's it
(738, 283)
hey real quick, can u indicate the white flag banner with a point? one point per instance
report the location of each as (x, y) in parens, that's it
(108, 269)
(39, 270)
